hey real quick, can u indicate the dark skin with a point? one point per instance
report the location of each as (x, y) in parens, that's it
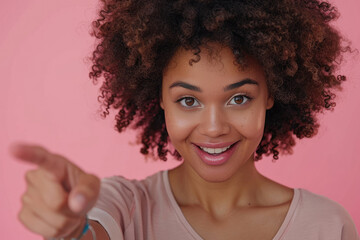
(232, 199)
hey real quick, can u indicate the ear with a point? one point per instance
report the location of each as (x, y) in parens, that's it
(161, 104)
(161, 101)
(270, 102)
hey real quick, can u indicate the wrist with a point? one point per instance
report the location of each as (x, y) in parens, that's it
(80, 230)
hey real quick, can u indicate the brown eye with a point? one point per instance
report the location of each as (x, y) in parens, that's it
(240, 100)
(188, 102)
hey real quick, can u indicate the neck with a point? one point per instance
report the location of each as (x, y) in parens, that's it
(216, 198)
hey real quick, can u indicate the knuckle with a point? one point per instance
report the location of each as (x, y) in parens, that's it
(24, 216)
(25, 199)
(29, 176)
(20, 215)
(94, 182)
(59, 157)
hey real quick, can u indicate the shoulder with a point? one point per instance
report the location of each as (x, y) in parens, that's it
(121, 200)
(325, 216)
(128, 189)
(322, 206)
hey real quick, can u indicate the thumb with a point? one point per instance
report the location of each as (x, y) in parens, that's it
(84, 193)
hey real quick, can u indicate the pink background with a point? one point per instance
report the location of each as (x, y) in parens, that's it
(47, 98)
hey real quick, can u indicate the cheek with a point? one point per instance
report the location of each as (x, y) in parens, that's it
(179, 125)
(251, 125)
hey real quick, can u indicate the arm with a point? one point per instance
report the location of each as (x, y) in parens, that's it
(100, 232)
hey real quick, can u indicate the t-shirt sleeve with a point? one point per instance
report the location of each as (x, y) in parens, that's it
(113, 209)
(349, 231)
(341, 219)
(318, 217)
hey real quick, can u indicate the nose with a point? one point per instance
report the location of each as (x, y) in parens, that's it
(214, 122)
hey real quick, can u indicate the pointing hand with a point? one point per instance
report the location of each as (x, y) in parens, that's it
(58, 194)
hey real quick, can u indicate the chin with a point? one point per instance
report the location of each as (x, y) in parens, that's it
(216, 179)
(216, 174)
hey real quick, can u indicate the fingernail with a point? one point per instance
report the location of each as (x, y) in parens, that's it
(79, 202)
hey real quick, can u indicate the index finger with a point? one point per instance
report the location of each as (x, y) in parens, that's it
(39, 156)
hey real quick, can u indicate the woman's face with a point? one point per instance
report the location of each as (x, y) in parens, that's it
(214, 112)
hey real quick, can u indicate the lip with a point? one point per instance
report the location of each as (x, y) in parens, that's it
(215, 160)
(215, 145)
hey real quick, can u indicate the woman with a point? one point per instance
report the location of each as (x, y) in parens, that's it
(225, 82)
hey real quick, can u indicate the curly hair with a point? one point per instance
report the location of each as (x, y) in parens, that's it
(293, 40)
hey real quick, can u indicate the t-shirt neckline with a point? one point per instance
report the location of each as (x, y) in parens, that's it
(282, 230)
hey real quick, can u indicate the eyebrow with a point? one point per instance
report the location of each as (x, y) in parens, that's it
(227, 88)
(241, 83)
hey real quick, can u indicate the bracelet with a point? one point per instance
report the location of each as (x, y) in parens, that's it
(84, 231)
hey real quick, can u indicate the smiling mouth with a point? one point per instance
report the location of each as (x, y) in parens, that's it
(216, 151)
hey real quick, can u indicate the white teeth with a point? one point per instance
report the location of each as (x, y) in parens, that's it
(215, 150)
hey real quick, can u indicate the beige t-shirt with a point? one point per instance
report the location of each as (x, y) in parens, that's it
(146, 209)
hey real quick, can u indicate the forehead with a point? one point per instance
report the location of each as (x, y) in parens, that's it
(216, 62)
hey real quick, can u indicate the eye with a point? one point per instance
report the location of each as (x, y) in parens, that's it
(188, 102)
(239, 100)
